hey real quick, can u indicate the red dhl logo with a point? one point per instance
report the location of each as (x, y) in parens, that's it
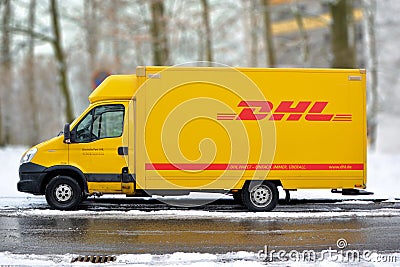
(286, 110)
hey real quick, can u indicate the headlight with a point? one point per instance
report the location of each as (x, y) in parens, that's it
(28, 156)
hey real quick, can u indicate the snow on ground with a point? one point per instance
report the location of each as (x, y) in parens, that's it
(235, 259)
(9, 161)
(203, 214)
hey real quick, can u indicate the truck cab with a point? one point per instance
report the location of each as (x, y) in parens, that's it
(90, 156)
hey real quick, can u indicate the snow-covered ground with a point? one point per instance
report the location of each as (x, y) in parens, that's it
(9, 160)
(241, 258)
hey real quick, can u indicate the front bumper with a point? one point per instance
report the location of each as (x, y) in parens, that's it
(31, 176)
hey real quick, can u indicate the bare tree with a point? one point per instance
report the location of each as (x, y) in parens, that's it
(251, 27)
(61, 62)
(46, 69)
(207, 26)
(302, 30)
(91, 20)
(159, 33)
(254, 23)
(6, 69)
(373, 105)
(115, 11)
(30, 75)
(268, 34)
(343, 52)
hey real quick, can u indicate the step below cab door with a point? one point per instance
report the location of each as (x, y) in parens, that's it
(97, 148)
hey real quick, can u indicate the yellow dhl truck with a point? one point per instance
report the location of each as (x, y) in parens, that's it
(176, 130)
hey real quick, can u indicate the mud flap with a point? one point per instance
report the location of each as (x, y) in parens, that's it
(128, 183)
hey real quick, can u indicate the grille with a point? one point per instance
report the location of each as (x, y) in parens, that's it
(94, 259)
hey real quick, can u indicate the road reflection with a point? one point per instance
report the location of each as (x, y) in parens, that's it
(56, 235)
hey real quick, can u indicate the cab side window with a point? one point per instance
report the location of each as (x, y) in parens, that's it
(101, 122)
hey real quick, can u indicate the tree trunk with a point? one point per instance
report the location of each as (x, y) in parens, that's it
(207, 26)
(268, 35)
(116, 47)
(61, 62)
(370, 11)
(91, 29)
(159, 33)
(303, 32)
(34, 134)
(253, 33)
(6, 73)
(343, 52)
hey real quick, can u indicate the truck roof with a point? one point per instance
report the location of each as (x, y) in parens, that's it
(123, 87)
(120, 87)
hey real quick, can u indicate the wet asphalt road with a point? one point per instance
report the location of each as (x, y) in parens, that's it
(97, 235)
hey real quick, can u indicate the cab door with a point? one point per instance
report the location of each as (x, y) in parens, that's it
(97, 147)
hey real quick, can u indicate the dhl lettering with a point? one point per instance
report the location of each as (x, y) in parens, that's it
(264, 107)
(286, 111)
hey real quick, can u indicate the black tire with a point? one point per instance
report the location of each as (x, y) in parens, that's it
(260, 196)
(63, 193)
(237, 197)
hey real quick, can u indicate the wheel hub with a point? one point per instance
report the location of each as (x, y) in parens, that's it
(63, 193)
(261, 195)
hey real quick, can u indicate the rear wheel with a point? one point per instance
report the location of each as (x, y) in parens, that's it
(63, 193)
(260, 196)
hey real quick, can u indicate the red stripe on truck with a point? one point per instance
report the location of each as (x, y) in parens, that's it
(282, 167)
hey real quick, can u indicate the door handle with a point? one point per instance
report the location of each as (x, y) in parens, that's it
(123, 150)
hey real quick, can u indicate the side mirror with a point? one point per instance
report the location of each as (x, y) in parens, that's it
(67, 134)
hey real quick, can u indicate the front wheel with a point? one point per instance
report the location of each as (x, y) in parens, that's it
(260, 196)
(63, 193)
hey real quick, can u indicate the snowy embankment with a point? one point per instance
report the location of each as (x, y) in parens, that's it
(203, 214)
(9, 160)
